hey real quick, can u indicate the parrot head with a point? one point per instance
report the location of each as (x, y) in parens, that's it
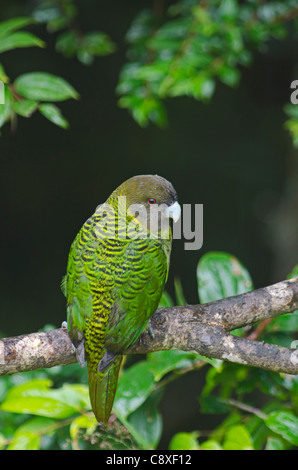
(150, 199)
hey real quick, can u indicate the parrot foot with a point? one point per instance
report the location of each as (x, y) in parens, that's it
(80, 346)
(150, 330)
(106, 361)
(80, 353)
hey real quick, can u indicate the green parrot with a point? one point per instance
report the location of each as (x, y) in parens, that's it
(117, 268)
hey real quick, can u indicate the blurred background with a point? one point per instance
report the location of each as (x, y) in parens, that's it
(232, 154)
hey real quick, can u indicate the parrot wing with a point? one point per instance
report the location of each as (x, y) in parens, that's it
(112, 287)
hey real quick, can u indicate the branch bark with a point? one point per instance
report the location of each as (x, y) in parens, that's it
(204, 329)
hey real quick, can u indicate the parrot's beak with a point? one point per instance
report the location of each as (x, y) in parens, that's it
(174, 211)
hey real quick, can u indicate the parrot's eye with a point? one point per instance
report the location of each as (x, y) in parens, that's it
(151, 201)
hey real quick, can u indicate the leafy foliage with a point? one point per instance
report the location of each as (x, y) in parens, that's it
(184, 50)
(221, 275)
(50, 409)
(194, 47)
(31, 92)
(28, 92)
(62, 17)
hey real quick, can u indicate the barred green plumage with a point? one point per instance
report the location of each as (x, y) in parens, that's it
(116, 272)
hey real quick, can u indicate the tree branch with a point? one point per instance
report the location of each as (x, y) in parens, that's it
(204, 329)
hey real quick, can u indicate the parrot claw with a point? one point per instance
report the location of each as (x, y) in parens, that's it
(150, 330)
(106, 361)
(80, 352)
(64, 324)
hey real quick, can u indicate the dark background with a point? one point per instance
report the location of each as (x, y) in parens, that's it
(233, 155)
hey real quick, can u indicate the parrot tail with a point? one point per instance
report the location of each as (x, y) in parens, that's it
(102, 389)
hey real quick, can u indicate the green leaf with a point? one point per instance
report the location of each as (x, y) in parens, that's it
(291, 383)
(91, 44)
(292, 126)
(291, 110)
(151, 72)
(13, 24)
(28, 435)
(134, 387)
(41, 406)
(213, 405)
(25, 108)
(237, 438)
(98, 43)
(166, 300)
(200, 86)
(274, 443)
(284, 423)
(210, 445)
(25, 441)
(88, 423)
(2, 441)
(67, 44)
(271, 383)
(144, 110)
(35, 397)
(179, 294)
(53, 114)
(37, 425)
(162, 362)
(221, 275)
(41, 86)
(184, 441)
(6, 108)
(56, 18)
(293, 273)
(201, 15)
(3, 77)
(229, 75)
(75, 395)
(36, 384)
(146, 420)
(19, 39)
(287, 322)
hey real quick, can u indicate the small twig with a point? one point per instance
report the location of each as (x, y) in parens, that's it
(244, 407)
(176, 374)
(257, 332)
(287, 16)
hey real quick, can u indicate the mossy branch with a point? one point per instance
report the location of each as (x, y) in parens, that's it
(204, 329)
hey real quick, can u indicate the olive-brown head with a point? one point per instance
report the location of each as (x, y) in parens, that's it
(150, 199)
